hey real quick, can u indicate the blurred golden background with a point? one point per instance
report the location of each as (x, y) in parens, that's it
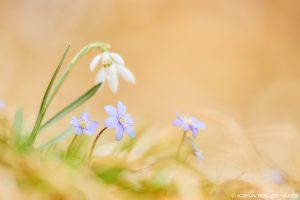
(235, 57)
(233, 64)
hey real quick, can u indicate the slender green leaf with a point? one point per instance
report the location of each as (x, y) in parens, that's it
(43, 106)
(86, 96)
(57, 138)
(18, 124)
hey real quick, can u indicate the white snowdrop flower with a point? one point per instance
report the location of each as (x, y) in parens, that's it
(112, 66)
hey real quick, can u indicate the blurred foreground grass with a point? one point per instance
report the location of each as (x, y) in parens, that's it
(145, 168)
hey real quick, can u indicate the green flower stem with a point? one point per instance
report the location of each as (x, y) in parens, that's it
(95, 141)
(71, 144)
(181, 144)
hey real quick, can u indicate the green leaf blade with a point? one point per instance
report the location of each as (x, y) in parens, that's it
(79, 101)
(18, 125)
(43, 106)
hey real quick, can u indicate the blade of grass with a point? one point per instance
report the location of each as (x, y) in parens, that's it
(86, 96)
(57, 139)
(18, 125)
(43, 106)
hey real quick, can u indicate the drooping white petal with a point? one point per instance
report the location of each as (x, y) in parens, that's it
(126, 73)
(112, 78)
(117, 58)
(100, 78)
(95, 62)
(106, 56)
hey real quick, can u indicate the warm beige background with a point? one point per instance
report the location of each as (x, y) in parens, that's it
(240, 58)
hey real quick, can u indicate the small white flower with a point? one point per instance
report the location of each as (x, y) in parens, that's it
(112, 66)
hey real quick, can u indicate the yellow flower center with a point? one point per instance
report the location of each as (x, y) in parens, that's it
(83, 124)
(187, 121)
(106, 62)
(122, 120)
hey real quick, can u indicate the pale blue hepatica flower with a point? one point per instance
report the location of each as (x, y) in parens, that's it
(2, 104)
(195, 148)
(84, 125)
(112, 66)
(276, 176)
(120, 120)
(189, 124)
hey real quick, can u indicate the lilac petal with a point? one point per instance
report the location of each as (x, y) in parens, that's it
(121, 108)
(276, 176)
(111, 110)
(186, 127)
(2, 104)
(77, 130)
(195, 148)
(74, 121)
(193, 119)
(94, 125)
(200, 125)
(199, 156)
(85, 116)
(130, 131)
(111, 122)
(119, 133)
(128, 119)
(88, 132)
(91, 130)
(194, 131)
(177, 122)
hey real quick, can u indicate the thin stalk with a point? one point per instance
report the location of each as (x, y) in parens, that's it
(95, 141)
(181, 144)
(71, 144)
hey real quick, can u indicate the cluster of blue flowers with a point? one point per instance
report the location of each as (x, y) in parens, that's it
(122, 122)
(118, 119)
